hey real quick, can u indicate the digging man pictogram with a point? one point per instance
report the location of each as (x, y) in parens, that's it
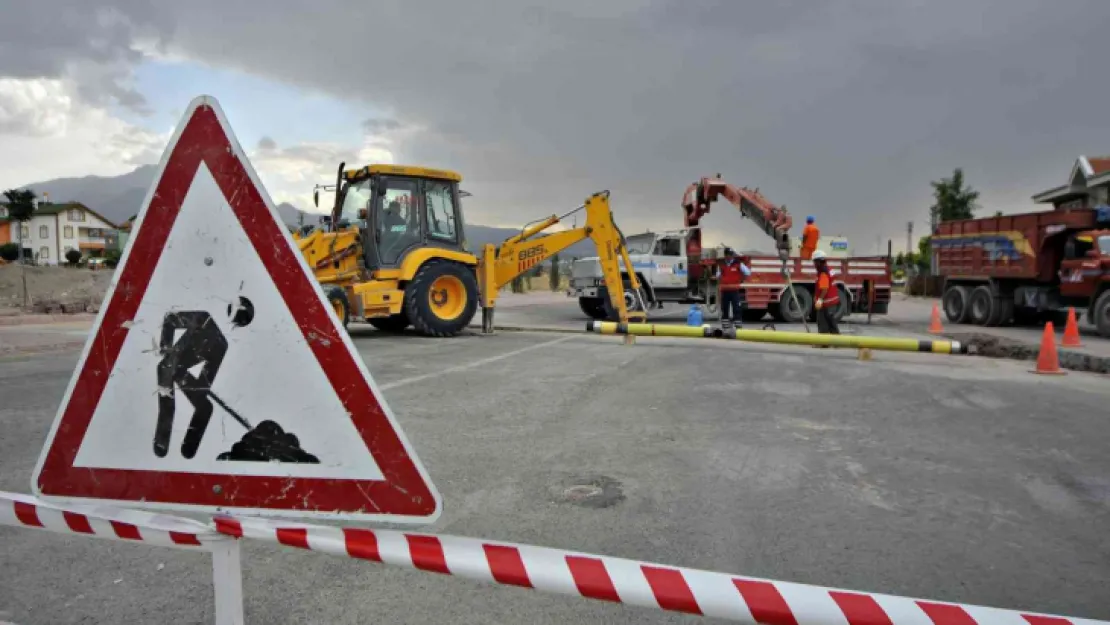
(203, 343)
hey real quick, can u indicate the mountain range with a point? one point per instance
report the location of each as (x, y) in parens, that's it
(119, 198)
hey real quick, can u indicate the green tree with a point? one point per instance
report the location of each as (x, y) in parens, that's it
(924, 256)
(9, 251)
(73, 257)
(554, 281)
(953, 200)
(900, 260)
(21, 206)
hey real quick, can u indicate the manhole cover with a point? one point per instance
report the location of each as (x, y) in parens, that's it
(597, 491)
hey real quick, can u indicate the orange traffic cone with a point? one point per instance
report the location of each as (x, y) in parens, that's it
(1071, 331)
(1046, 359)
(934, 323)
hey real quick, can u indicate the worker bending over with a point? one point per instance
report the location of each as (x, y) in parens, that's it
(729, 277)
(827, 296)
(810, 234)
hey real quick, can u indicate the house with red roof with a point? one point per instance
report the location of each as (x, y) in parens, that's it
(1088, 185)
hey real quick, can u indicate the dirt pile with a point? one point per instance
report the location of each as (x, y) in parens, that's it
(999, 347)
(54, 289)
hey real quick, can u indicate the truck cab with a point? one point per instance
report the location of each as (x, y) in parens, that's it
(659, 262)
(1085, 266)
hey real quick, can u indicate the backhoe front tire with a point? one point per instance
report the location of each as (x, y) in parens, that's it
(337, 298)
(441, 298)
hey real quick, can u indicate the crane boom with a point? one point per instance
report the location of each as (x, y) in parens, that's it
(775, 221)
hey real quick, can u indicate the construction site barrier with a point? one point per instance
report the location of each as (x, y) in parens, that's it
(748, 600)
(137, 526)
(774, 336)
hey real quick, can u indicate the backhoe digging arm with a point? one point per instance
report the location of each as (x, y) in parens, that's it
(520, 253)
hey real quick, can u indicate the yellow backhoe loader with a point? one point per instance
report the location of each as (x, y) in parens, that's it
(393, 251)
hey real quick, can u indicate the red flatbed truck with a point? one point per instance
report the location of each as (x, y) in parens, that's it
(1022, 268)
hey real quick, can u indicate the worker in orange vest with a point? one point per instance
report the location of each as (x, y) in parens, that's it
(826, 296)
(810, 234)
(730, 275)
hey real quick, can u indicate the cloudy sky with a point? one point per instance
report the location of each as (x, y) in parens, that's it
(844, 110)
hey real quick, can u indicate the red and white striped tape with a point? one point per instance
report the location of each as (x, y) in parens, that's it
(112, 523)
(749, 600)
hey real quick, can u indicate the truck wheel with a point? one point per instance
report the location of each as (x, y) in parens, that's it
(393, 323)
(980, 305)
(593, 307)
(845, 305)
(1002, 312)
(631, 303)
(788, 312)
(955, 304)
(337, 297)
(1100, 314)
(442, 298)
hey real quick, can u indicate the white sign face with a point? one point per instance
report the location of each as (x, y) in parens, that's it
(217, 377)
(263, 370)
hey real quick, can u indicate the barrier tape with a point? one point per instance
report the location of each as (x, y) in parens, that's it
(749, 600)
(101, 521)
(675, 589)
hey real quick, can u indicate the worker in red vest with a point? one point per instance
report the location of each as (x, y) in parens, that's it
(730, 275)
(826, 296)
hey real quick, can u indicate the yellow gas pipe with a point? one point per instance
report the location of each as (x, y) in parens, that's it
(774, 336)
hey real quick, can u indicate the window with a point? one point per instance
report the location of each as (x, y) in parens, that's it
(67, 232)
(668, 247)
(44, 252)
(44, 232)
(640, 243)
(25, 232)
(440, 212)
(76, 214)
(1104, 245)
(355, 198)
(3, 211)
(399, 219)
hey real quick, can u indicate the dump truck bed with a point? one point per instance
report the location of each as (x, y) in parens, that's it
(1009, 246)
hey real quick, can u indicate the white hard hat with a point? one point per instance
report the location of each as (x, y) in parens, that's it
(818, 255)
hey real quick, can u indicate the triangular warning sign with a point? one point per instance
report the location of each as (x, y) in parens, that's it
(216, 376)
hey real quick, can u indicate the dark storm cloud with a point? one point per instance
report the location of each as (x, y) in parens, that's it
(90, 43)
(844, 110)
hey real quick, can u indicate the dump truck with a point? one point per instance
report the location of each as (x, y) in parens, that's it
(1021, 269)
(673, 267)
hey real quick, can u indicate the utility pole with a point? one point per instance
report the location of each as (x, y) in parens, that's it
(909, 246)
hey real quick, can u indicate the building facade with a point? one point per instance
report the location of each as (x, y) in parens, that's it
(1088, 185)
(54, 229)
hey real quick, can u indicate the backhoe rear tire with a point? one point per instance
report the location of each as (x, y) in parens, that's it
(441, 298)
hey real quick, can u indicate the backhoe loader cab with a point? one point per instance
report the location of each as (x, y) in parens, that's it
(393, 250)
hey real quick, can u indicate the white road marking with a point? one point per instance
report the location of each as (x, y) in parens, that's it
(471, 365)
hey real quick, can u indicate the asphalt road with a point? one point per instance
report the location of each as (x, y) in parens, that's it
(944, 477)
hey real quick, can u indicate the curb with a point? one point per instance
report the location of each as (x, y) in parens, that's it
(21, 318)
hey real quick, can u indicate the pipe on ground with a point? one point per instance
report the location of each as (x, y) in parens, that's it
(787, 338)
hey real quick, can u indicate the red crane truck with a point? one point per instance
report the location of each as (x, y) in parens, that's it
(672, 267)
(1022, 268)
